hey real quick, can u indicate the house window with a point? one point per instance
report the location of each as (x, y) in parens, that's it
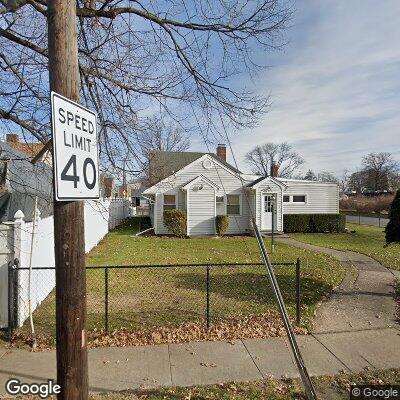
(169, 202)
(233, 204)
(286, 198)
(299, 199)
(220, 205)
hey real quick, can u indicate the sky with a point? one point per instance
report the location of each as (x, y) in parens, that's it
(335, 88)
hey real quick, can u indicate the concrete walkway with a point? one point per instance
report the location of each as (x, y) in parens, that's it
(213, 362)
(354, 329)
(364, 300)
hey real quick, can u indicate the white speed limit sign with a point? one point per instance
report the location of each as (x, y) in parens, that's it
(76, 164)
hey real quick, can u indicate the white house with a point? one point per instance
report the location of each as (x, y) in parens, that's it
(205, 185)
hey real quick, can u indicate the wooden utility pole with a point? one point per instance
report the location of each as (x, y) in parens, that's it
(69, 240)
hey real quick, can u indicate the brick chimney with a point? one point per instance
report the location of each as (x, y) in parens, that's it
(274, 170)
(12, 138)
(221, 151)
(108, 184)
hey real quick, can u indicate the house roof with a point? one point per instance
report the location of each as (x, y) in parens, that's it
(256, 181)
(165, 163)
(199, 178)
(284, 181)
(23, 181)
(306, 181)
(261, 178)
(31, 149)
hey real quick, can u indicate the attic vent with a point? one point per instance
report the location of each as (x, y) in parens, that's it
(207, 164)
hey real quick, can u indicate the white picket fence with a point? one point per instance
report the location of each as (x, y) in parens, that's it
(16, 243)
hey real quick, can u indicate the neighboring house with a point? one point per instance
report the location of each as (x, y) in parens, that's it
(107, 186)
(31, 149)
(21, 183)
(135, 193)
(205, 185)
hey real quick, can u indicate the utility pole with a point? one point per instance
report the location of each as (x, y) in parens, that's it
(69, 240)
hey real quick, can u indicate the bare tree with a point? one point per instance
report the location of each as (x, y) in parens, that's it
(310, 175)
(136, 57)
(262, 157)
(379, 169)
(357, 181)
(162, 136)
(325, 176)
(344, 181)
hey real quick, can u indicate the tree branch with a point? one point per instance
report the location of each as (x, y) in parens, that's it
(23, 124)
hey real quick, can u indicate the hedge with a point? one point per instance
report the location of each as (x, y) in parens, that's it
(314, 223)
(221, 224)
(392, 229)
(175, 221)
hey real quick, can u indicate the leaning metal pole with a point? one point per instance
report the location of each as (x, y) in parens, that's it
(305, 378)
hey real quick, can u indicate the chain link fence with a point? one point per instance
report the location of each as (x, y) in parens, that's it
(139, 298)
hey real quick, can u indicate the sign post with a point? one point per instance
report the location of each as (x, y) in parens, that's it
(69, 233)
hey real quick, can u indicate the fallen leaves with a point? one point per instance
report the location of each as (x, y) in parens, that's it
(203, 364)
(248, 327)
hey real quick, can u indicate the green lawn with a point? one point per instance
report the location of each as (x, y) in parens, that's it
(327, 387)
(367, 239)
(149, 298)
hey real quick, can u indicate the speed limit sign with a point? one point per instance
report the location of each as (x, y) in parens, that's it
(76, 164)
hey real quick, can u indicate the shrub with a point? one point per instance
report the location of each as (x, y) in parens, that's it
(327, 223)
(295, 222)
(314, 223)
(221, 224)
(175, 221)
(393, 227)
(367, 204)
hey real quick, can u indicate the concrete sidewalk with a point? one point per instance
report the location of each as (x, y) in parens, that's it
(199, 363)
(364, 300)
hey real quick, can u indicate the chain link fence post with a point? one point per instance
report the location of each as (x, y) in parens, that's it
(298, 305)
(208, 297)
(106, 326)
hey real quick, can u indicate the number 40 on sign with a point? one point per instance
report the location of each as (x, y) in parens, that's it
(76, 165)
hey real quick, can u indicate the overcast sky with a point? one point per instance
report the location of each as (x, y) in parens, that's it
(335, 89)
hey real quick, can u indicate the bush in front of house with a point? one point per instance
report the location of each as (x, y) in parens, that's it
(295, 222)
(175, 221)
(314, 223)
(392, 229)
(221, 224)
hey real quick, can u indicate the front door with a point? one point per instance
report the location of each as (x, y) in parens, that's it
(268, 207)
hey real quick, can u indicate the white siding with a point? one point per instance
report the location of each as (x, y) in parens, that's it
(251, 196)
(182, 200)
(201, 207)
(228, 184)
(321, 198)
